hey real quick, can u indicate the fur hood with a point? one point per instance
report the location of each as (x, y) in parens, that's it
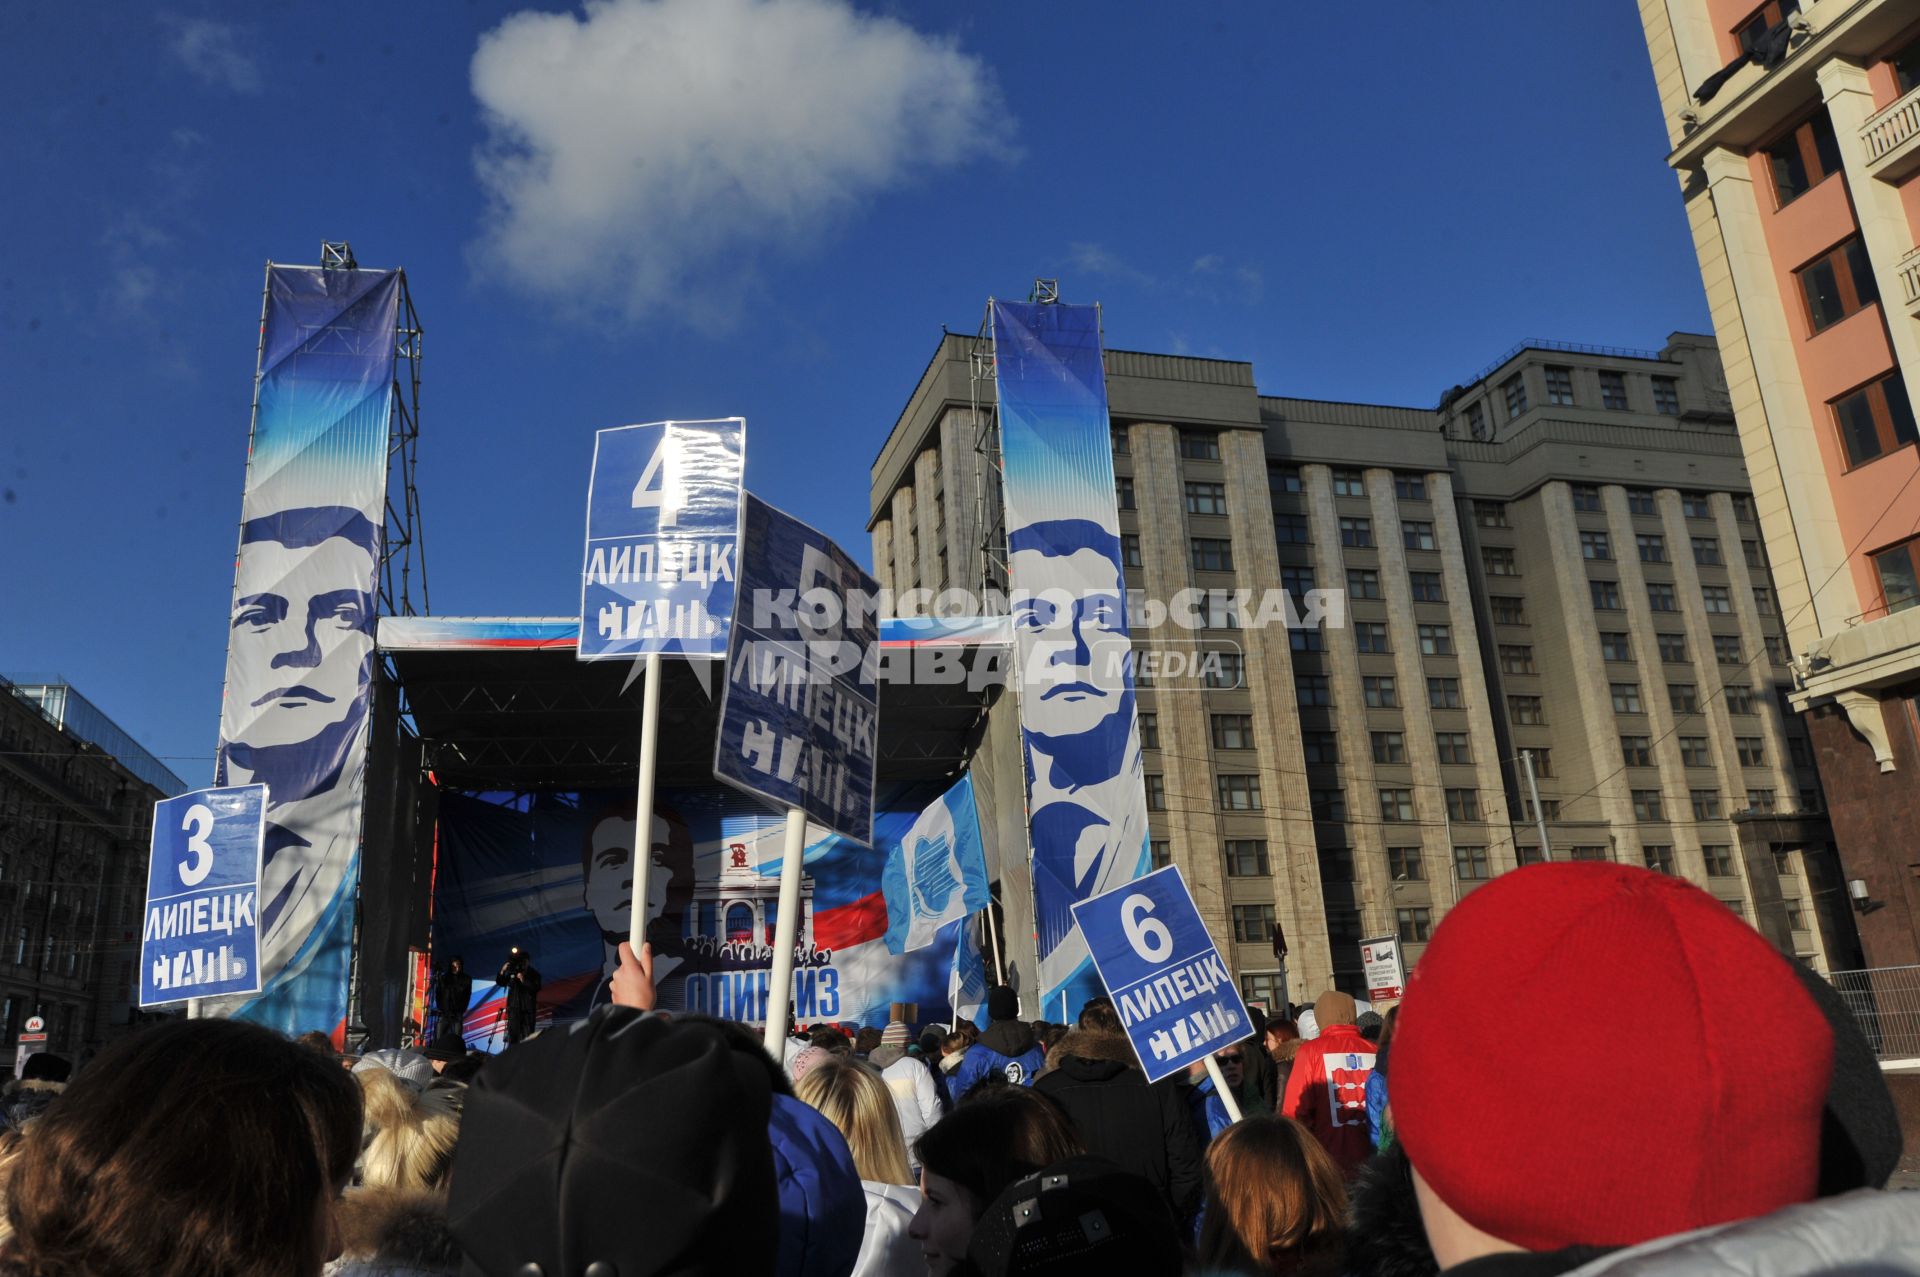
(1090, 1044)
(384, 1230)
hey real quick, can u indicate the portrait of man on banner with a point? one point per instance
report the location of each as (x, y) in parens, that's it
(606, 889)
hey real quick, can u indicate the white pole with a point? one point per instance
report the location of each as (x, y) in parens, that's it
(1227, 1097)
(786, 929)
(993, 943)
(643, 803)
(1539, 816)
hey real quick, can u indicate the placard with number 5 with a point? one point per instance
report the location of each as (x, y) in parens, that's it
(200, 931)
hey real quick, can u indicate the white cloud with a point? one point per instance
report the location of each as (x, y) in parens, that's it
(650, 149)
(1092, 259)
(212, 52)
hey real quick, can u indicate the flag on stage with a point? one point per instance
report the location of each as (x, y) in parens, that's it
(937, 872)
(967, 988)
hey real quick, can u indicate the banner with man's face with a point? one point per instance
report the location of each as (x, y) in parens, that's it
(552, 873)
(300, 648)
(1086, 791)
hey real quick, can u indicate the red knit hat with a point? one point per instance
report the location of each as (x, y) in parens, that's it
(1591, 1054)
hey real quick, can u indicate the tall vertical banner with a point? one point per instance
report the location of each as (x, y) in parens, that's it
(300, 651)
(1086, 792)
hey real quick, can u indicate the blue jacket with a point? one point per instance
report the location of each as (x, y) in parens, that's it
(1209, 1111)
(823, 1209)
(1007, 1048)
(1376, 1103)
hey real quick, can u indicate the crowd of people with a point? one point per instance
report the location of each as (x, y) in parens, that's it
(1677, 1098)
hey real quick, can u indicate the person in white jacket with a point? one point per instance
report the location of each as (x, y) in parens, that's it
(915, 1096)
(851, 1095)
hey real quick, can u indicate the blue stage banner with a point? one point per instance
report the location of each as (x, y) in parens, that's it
(1086, 792)
(200, 934)
(663, 530)
(300, 650)
(800, 710)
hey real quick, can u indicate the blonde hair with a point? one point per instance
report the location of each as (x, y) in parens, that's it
(410, 1134)
(852, 1096)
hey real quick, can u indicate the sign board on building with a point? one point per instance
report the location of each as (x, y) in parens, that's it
(663, 532)
(1380, 960)
(1175, 995)
(200, 934)
(36, 1024)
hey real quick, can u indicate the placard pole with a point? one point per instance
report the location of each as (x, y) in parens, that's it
(643, 803)
(786, 930)
(1227, 1097)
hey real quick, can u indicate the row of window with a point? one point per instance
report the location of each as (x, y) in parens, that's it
(1613, 391)
(1662, 597)
(1379, 691)
(1651, 547)
(1286, 480)
(1648, 804)
(1694, 751)
(1329, 803)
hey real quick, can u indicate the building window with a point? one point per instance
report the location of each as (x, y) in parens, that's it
(1726, 649)
(1752, 751)
(1589, 853)
(1718, 857)
(1490, 514)
(1594, 545)
(1463, 804)
(1613, 389)
(1389, 747)
(1444, 693)
(1516, 659)
(1683, 697)
(1626, 698)
(1646, 805)
(1476, 421)
(1404, 864)
(1156, 792)
(1838, 284)
(1739, 699)
(1253, 924)
(1615, 646)
(1130, 550)
(1379, 692)
(1238, 793)
(1206, 498)
(1363, 583)
(1436, 640)
(1658, 857)
(1803, 157)
(1763, 600)
(1899, 571)
(1396, 805)
(1586, 498)
(1514, 391)
(1875, 419)
(1199, 445)
(1606, 595)
(1906, 68)
(1304, 640)
(1652, 547)
(1233, 731)
(1543, 767)
(1247, 858)
(1716, 598)
(1162, 851)
(1356, 533)
(1410, 487)
(1452, 747)
(1706, 803)
(1327, 804)
(1149, 731)
(1694, 505)
(1427, 587)
(1673, 648)
(1559, 385)
(1508, 609)
(1415, 926)
(1549, 807)
(1349, 483)
(1123, 493)
(1498, 561)
(1336, 864)
(1120, 445)
(1224, 671)
(1212, 554)
(1761, 800)
(1666, 396)
(1661, 598)
(1796, 914)
(1706, 552)
(1525, 854)
(1320, 747)
(1284, 479)
(1525, 710)
(1370, 636)
(1693, 752)
(1291, 529)
(1470, 863)
(1756, 554)
(1640, 501)
(1637, 751)
(1295, 580)
(1415, 535)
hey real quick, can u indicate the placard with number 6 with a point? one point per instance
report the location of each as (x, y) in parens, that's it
(200, 931)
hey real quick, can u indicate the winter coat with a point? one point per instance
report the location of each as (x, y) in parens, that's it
(22, 1101)
(1007, 1048)
(822, 1210)
(886, 1250)
(386, 1232)
(1379, 1129)
(1385, 1237)
(1326, 1093)
(1208, 1111)
(1140, 1128)
(915, 1098)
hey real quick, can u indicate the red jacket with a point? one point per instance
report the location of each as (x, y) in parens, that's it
(1327, 1093)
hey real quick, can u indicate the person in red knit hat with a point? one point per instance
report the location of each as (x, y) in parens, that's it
(1545, 1151)
(1327, 1085)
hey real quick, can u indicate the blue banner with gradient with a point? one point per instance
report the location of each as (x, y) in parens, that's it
(300, 647)
(1086, 793)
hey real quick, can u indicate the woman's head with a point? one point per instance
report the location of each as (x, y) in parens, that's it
(858, 1103)
(1274, 1196)
(411, 1133)
(993, 1138)
(204, 1147)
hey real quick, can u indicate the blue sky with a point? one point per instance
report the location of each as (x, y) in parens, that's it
(686, 208)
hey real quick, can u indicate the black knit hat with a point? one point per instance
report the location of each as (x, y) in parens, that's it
(628, 1141)
(1002, 1003)
(1078, 1216)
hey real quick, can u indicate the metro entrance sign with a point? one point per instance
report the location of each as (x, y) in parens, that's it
(1175, 995)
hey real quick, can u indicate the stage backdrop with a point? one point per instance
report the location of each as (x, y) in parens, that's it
(552, 873)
